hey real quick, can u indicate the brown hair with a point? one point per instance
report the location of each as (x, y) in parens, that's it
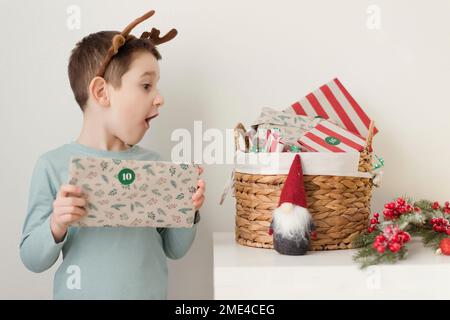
(88, 55)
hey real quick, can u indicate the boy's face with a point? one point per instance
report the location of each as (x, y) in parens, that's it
(137, 101)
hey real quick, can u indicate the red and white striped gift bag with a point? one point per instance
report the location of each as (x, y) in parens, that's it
(328, 137)
(332, 101)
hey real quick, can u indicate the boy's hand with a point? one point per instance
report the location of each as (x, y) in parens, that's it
(199, 196)
(66, 210)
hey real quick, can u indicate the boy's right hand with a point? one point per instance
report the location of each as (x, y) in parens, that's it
(68, 207)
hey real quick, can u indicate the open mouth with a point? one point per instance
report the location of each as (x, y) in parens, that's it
(147, 120)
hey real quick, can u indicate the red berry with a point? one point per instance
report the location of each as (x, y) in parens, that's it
(388, 214)
(380, 249)
(447, 204)
(390, 205)
(373, 221)
(435, 205)
(406, 236)
(403, 237)
(444, 245)
(394, 247)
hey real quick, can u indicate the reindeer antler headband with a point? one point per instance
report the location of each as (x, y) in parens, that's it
(120, 39)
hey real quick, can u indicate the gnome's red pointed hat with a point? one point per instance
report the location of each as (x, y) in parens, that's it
(294, 220)
(294, 188)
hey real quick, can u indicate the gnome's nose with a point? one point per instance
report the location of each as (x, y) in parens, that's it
(286, 207)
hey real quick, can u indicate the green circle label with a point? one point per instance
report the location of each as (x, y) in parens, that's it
(126, 176)
(332, 140)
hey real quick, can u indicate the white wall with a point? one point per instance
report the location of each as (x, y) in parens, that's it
(230, 59)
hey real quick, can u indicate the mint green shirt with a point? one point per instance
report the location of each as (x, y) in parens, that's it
(98, 263)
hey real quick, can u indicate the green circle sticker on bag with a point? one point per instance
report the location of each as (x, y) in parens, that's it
(332, 140)
(126, 176)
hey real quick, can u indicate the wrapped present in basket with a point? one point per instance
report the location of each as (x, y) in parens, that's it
(332, 101)
(280, 118)
(286, 128)
(328, 137)
(288, 135)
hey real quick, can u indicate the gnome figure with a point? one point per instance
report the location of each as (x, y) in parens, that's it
(292, 225)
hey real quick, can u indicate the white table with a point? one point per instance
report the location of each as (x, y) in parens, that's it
(251, 273)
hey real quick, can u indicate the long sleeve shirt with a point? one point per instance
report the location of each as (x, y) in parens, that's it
(98, 262)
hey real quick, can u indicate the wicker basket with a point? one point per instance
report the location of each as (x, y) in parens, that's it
(340, 206)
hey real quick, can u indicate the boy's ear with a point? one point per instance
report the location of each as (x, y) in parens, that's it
(99, 92)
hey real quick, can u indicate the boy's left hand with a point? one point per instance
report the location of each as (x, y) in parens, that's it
(199, 196)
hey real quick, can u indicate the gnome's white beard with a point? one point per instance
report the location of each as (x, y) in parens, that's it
(293, 224)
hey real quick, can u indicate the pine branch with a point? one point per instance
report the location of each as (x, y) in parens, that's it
(369, 256)
(424, 205)
(431, 238)
(365, 239)
(414, 218)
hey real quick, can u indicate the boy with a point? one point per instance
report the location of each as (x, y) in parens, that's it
(114, 78)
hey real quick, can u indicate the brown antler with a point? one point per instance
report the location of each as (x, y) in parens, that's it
(133, 24)
(154, 36)
(120, 39)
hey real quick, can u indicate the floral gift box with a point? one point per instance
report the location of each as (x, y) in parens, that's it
(132, 193)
